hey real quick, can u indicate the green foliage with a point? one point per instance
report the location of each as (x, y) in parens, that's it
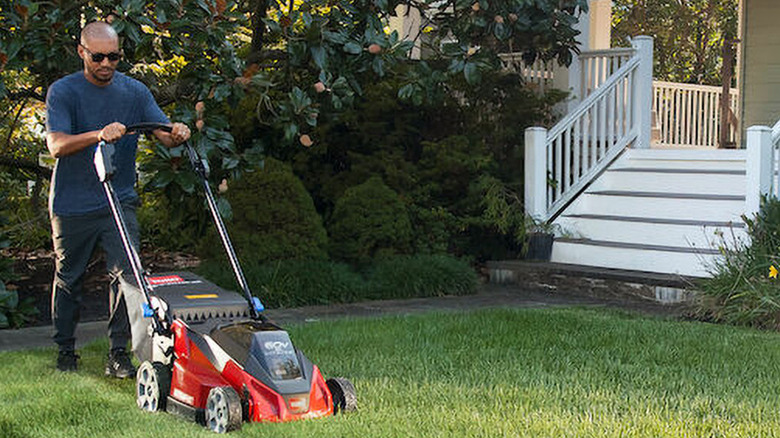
(421, 276)
(15, 313)
(688, 36)
(468, 35)
(28, 224)
(292, 283)
(369, 221)
(273, 218)
(434, 156)
(503, 208)
(740, 290)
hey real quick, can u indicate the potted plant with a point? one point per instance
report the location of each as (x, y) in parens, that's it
(538, 240)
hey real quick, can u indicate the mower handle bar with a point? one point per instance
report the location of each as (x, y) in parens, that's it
(148, 127)
(200, 168)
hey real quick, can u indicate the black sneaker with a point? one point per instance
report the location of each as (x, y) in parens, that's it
(67, 361)
(119, 364)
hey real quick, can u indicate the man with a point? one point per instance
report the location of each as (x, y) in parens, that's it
(82, 109)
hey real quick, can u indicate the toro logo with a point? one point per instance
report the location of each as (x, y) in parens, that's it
(166, 279)
(276, 346)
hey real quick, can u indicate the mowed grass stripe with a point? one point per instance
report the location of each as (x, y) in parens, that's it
(530, 372)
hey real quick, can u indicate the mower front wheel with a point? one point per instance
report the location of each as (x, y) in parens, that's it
(343, 393)
(223, 410)
(153, 382)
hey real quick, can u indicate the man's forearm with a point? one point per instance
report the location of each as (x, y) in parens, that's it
(61, 144)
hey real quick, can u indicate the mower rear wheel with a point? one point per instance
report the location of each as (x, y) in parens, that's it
(153, 383)
(343, 393)
(223, 410)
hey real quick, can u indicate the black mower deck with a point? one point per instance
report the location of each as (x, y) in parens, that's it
(194, 299)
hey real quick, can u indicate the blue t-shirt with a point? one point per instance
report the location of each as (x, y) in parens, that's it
(74, 106)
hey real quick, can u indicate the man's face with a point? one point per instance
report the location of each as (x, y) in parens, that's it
(99, 72)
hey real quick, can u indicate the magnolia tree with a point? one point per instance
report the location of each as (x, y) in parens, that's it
(285, 65)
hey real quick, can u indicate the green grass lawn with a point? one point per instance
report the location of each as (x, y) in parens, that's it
(536, 373)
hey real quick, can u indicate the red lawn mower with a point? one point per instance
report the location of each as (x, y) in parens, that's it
(207, 353)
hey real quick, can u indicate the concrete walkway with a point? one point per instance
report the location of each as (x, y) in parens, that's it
(488, 296)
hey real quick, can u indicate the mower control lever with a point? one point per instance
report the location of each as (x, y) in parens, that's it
(148, 127)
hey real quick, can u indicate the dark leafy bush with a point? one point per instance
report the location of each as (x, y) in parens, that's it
(432, 155)
(28, 225)
(421, 276)
(15, 313)
(741, 290)
(273, 218)
(369, 221)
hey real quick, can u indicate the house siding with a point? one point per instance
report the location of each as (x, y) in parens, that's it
(760, 63)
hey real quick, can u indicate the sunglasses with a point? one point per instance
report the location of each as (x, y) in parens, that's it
(99, 57)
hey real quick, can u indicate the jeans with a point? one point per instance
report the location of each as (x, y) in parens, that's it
(75, 239)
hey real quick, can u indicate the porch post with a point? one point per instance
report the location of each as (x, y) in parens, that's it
(643, 90)
(758, 167)
(535, 172)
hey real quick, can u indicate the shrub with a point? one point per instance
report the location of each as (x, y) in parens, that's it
(740, 290)
(25, 221)
(28, 225)
(421, 276)
(290, 283)
(369, 221)
(15, 313)
(273, 218)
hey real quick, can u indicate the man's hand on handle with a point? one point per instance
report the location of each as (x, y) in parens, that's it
(112, 132)
(180, 133)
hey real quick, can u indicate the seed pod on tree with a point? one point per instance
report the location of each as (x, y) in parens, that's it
(306, 140)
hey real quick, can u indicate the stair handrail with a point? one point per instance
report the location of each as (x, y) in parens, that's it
(581, 146)
(610, 151)
(591, 100)
(776, 133)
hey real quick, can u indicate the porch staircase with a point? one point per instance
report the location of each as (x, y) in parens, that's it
(620, 204)
(661, 211)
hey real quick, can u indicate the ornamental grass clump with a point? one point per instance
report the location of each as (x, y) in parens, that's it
(744, 288)
(421, 276)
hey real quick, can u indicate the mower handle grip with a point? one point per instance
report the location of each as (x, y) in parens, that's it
(148, 127)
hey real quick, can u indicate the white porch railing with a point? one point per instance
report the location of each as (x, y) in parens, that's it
(688, 115)
(540, 74)
(761, 166)
(559, 164)
(598, 65)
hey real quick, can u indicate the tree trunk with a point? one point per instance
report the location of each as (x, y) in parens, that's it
(258, 10)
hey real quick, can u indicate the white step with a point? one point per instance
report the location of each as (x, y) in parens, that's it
(720, 208)
(663, 211)
(686, 263)
(651, 231)
(683, 159)
(713, 181)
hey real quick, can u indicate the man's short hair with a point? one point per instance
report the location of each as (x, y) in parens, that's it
(98, 30)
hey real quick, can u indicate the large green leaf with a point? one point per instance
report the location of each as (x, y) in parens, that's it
(353, 48)
(471, 73)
